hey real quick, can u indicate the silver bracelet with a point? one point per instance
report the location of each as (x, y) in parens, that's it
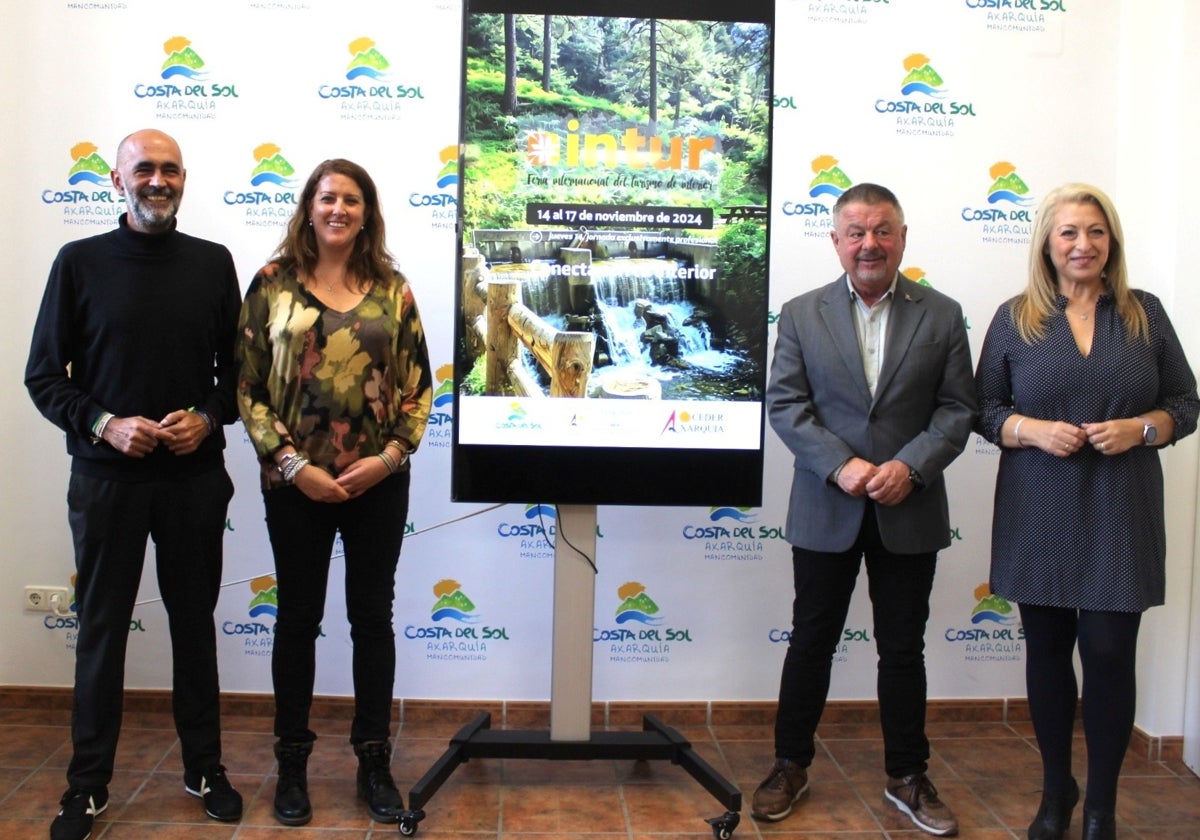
(291, 466)
(403, 452)
(387, 460)
(1017, 432)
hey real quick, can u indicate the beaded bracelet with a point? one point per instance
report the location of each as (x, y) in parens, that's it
(208, 420)
(100, 425)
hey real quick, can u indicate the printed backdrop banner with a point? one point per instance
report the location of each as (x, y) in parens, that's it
(931, 99)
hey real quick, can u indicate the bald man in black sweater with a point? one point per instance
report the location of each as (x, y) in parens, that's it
(132, 357)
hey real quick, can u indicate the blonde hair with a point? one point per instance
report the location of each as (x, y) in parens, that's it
(1037, 304)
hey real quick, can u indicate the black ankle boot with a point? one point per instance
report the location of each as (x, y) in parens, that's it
(375, 783)
(1054, 816)
(291, 793)
(1099, 825)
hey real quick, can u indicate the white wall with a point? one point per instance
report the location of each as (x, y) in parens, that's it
(1154, 117)
(1098, 92)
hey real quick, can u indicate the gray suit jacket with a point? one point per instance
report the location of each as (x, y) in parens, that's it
(819, 405)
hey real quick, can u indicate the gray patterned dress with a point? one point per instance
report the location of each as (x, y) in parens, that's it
(1084, 531)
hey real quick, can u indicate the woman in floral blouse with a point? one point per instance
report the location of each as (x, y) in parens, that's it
(335, 392)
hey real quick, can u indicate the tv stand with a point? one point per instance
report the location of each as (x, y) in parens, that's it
(570, 737)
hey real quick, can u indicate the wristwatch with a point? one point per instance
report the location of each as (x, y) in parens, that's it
(1149, 432)
(918, 483)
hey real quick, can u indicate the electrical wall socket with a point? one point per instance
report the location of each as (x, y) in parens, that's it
(52, 599)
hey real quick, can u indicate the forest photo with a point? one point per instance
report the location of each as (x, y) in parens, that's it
(616, 173)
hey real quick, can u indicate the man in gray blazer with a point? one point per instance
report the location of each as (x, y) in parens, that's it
(871, 390)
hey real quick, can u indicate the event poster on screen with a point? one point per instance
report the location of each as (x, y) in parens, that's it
(614, 206)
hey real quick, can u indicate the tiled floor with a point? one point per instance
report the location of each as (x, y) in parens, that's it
(988, 772)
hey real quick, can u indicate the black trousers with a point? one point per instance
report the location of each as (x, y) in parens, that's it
(110, 523)
(899, 586)
(302, 534)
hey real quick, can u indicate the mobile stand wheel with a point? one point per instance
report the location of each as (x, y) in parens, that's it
(409, 820)
(723, 826)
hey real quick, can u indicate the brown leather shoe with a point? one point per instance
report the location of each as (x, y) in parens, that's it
(786, 783)
(916, 797)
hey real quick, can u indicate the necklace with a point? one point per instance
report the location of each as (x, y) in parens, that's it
(328, 286)
(1082, 316)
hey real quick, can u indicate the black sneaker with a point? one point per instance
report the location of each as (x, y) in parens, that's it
(79, 810)
(221, 801)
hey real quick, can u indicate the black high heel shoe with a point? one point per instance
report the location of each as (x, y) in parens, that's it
(1099, 825)
(1054, 816)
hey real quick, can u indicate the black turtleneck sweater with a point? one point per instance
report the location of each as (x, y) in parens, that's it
(136, 324)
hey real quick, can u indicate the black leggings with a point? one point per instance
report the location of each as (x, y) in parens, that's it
(1107, 650)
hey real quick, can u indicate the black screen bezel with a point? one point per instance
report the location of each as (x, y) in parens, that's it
(607, 475)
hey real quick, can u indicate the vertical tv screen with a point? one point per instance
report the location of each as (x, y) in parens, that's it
(611, 304)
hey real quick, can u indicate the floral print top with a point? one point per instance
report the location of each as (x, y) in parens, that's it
(335, 385)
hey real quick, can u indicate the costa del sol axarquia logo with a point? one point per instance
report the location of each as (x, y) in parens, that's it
(995, 634)
(456, 631)
(368, 89)
(88, 197)
(926, 109)
(183, 89)
(1008, 217)
(638, 634)
(732, 534)
(814, 212)
(270, 200)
